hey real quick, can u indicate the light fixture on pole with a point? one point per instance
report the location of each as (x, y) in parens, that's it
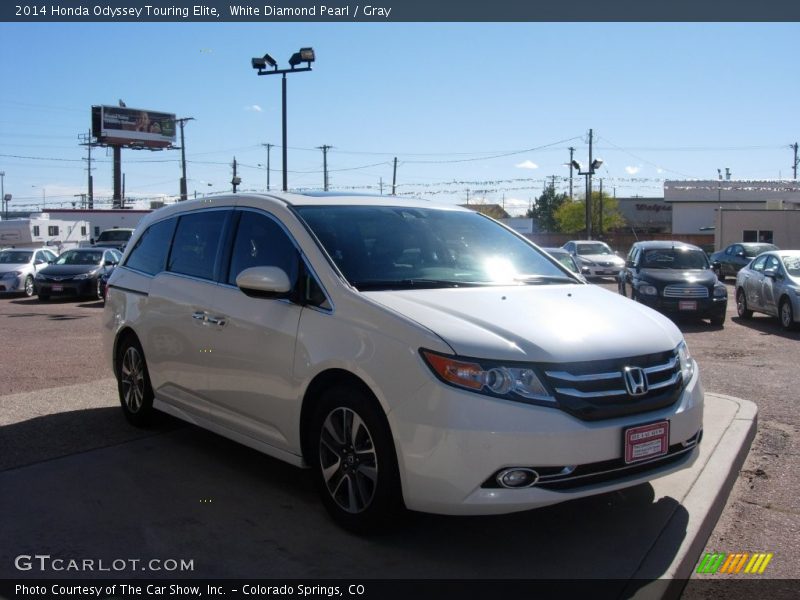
(304, 55)
(595, 164)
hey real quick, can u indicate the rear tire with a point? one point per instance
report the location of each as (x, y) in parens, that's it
(354, 460)
(720, 275)
(741, 305)
(133, 383)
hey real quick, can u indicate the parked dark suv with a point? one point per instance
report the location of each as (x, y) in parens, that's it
(674, 278)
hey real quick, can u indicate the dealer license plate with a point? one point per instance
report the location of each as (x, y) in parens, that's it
(646, 441)
(687, 305)
(58, 288)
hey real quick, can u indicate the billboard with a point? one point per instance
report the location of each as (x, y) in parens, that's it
(133, 126)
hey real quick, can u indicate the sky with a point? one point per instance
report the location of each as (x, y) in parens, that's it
(481, 112)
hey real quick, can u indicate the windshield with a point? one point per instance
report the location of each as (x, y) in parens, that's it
(379, 247)
(15, 257)
(792, 264)
(674, 258)
(753, 250)
(566, 260)
(114, 236)
(74, 257)
(598, 248)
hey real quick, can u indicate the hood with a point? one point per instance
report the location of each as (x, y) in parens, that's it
(602, 258)
(704, 277)
(56, 270)
(552, 323)
(6, 267)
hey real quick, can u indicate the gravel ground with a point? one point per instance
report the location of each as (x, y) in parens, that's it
(57, 344)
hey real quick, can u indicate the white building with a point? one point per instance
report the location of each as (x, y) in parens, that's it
(41, 230)
(100, 220)
(696, 202)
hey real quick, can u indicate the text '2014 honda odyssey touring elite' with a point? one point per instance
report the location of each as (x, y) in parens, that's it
(413, 355)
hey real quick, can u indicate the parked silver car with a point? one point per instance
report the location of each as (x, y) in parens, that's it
(19, 266)
(771, 284)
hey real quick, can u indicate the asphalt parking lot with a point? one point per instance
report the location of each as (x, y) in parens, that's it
(57, 400)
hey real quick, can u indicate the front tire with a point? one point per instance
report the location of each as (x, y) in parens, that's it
(786, 315)
(741, 305)
(28, 288)
(133, 383)
(354, 460)
(718, 320)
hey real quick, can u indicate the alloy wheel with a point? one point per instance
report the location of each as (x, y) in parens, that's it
(132, 379)
(348, 460)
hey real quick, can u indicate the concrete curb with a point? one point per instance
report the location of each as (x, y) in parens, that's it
(704, 501)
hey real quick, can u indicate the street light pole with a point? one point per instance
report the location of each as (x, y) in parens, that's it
(3, 194)
(593, 166)
(305, 55)
(183, 157)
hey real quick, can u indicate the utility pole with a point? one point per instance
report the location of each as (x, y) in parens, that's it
(600, 226)
(553, 183)
(589, 192)
(394, 178)
(122, 198)
(183, 157)
(795, 163)
(380, 184)
(571, 157)
(87, 141)
(268, 147)
(236, 180)
(324, 149)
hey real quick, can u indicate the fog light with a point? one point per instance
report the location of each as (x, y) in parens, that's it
(517, 478)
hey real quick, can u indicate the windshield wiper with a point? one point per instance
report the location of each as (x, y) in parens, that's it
(539, 279)
(409, 284)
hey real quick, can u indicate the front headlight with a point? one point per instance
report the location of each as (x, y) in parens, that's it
(720, 291)
(488, 377)
(687, 364)
(85, 275)
(586, 261)
(11, 274)
(648, 290)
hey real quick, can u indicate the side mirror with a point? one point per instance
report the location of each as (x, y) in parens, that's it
(110, 263)
(264, 282)
(771, 273)
(740, 254)
(629, 263)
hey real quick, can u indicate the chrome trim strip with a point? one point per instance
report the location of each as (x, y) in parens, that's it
(671, 381)
(579, 394)
(665, 367)
(565, 376)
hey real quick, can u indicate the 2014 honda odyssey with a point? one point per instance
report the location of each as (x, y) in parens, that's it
(413, 355)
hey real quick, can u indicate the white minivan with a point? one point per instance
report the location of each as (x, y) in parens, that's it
(412, 355)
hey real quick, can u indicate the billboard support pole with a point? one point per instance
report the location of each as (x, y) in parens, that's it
(117, 177)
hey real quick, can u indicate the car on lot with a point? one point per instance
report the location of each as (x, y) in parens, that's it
(19, 266)
(727, 262)
(674, 278)
(565, 258)
(595, 259)
(412, 355)
(76, 273)
(113, 238)
(771, 284)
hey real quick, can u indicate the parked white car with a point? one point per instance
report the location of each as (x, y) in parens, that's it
(770, 284)
(413, 355)
(19, 266)
(596, 259)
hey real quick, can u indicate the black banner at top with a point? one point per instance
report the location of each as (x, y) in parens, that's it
(275, 11)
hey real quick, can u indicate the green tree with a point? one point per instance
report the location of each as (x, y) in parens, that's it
(545, 209)
(571, 216)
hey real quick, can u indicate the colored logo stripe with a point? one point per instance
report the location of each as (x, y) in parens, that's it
(719, 562)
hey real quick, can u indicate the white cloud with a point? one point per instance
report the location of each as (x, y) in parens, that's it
(253, 108)
(527, 164)
(632, 170)
(659, 171)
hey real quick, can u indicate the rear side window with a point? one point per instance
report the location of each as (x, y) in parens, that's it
(196, 244)
(260, 242)
(150, 252)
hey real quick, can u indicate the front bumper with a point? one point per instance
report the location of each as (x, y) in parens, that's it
(600, 270)
(450, 443)
(690, 307)
(81, 287)
(15, 285)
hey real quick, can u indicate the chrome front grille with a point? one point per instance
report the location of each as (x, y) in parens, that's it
(685, 291)
(599, 390)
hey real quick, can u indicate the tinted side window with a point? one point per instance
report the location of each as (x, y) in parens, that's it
(196, 243)
(150, 252)
(758, 264)
(260, 241)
